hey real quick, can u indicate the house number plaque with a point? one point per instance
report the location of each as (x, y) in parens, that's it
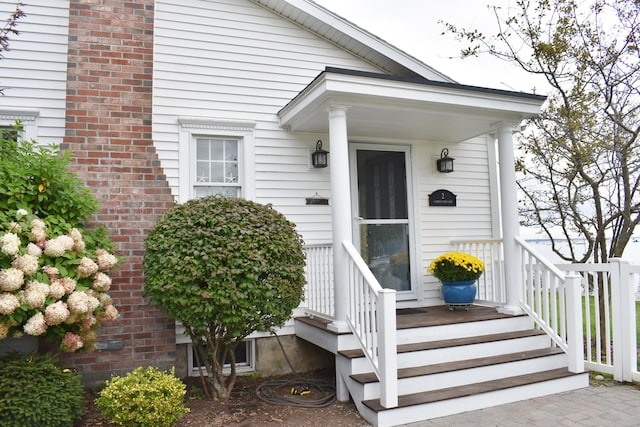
(442, 198)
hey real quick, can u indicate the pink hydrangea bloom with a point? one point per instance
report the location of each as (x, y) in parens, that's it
(56, 313)
(8, 303)
(78, 302)
(88, 322)
(35, 294)
(101, 282)
(78, 244)
(69, 284)
(106, 260)
(87, 267)
(35, 325)
(34, 250)
(52, 272)
(38, 232)
(56, 290)
(71, 342)
(27, 263)
(11, 279)
(10, 243)
(110, 313)
(58, 246)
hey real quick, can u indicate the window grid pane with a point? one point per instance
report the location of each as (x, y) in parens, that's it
(216, 167)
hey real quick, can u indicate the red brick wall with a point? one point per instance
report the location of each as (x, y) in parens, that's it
(108, 131)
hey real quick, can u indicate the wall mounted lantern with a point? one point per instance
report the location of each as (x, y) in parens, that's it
(445, 163)
(319, 158)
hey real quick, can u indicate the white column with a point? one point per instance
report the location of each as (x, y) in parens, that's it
(510, 222)
(340, 211)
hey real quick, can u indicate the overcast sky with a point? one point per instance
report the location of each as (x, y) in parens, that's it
(413, 26)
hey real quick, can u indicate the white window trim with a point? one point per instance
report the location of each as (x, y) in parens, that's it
(249, 366)
(29, 119)
(190, 128)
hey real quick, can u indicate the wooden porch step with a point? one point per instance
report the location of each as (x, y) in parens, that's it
(431, 345)
(463, 364)
(471, 389)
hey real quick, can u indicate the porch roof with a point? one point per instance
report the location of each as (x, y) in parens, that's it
(384, 106)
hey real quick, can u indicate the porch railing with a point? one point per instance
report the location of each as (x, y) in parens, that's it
(491, 285)
(609, 309)
(552, 299)
(319, 291)
(372, 320)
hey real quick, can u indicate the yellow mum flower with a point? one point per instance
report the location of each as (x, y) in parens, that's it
(456, 266)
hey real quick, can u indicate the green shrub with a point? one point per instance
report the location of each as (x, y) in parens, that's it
(143, 397)
(36, 391)
(224, 267)
(37, 178)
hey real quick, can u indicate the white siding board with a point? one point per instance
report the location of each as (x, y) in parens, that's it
(235, 60)
(34, 70)
(470, 219)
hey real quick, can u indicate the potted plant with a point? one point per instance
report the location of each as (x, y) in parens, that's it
(458, 273)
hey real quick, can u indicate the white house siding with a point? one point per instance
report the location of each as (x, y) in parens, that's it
(33, 73)
(470, 219)
(233, 60)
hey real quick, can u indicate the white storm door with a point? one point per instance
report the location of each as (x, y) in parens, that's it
(382, 225)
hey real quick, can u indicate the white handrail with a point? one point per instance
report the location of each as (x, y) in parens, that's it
(553, 301)
(372, 320)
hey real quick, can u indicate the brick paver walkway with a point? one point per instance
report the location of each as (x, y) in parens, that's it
(599, 405)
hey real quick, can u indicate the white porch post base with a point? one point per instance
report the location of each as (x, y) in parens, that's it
(342, 392)
(338, 326)
(510, 310)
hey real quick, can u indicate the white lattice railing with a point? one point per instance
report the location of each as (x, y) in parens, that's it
(552, 299)
(491, 285)
(372, 319)
(319, 291)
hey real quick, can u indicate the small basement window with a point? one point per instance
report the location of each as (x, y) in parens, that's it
(245, 359)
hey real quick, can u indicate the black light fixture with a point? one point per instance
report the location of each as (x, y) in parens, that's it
(445, 163)
(319, 158)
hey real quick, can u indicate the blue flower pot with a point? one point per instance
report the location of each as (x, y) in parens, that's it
(459, 293)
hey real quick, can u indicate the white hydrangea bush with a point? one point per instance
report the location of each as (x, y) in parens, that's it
(53, 286)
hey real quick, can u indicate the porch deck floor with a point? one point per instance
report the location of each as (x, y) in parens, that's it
(428, 316)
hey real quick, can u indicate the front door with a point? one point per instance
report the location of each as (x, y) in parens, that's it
(381, 204)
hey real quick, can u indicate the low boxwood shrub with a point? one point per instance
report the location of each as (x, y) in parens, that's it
(143, 397)
(36, 391)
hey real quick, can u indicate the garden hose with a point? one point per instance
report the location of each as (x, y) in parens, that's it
(300, 392)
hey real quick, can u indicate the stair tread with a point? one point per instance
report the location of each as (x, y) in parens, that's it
(431, 345)
(472, 389)
(462, 364)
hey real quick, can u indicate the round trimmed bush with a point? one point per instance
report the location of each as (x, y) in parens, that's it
(224, 267)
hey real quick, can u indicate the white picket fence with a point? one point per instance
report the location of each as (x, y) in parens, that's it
(609, 311)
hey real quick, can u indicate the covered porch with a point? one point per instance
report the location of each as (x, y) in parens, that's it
(348, 312)
(367, 110)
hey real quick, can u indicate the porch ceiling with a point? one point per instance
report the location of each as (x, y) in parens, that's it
(381, 106)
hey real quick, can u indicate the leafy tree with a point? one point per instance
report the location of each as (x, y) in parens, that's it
(580, 160)
(224, 268)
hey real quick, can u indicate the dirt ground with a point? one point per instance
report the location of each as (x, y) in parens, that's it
(245, 408)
